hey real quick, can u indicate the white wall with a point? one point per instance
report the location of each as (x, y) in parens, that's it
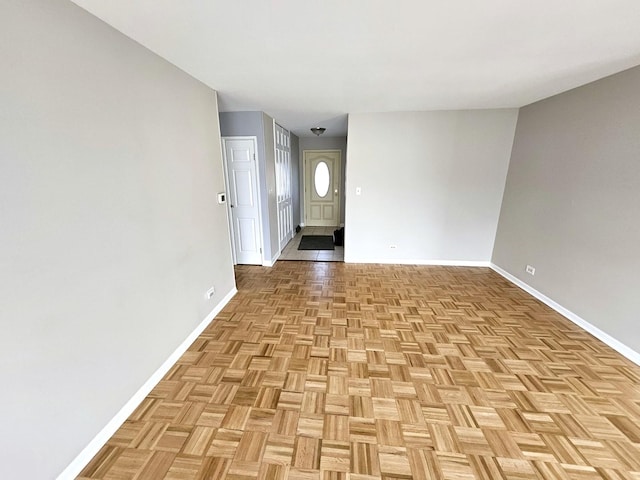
(432, 184)
(571, 203)
(110, 233)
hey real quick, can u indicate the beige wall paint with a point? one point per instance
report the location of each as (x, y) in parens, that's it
(110, 233)
(571, 202)
(431, 183)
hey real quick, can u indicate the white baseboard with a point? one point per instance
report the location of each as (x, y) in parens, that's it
(618, 346)
(272, 262)
(394, 261)
(94, 446)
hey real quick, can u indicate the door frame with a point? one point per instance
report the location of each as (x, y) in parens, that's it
(304, 179)
(225, 160)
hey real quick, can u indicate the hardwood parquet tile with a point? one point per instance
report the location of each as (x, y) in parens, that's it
(330, 371)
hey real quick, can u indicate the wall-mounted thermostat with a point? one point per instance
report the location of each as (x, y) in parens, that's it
(222, 198)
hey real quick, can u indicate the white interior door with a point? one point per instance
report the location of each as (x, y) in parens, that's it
(243, 199)
(322, 187)
(283, 185)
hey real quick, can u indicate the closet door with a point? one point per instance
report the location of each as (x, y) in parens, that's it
(241, 172)
(283, 185)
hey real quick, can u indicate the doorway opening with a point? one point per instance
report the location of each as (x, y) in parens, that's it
(322, 187)
(322, 192)
(291, 251)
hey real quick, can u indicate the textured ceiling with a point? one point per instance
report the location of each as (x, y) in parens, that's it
(311, 63)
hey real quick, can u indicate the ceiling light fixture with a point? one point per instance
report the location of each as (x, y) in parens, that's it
(318, 130)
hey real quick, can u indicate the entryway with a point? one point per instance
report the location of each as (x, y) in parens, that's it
(291, 251)
(322, 187)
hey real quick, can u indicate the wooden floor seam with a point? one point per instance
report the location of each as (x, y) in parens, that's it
(332, 371)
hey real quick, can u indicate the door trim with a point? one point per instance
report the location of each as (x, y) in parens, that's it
(258, 199)
(304, 180)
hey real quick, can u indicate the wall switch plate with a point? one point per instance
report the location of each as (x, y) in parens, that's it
(222, 198)
(210, 293)
(530, 270)
(358, 191)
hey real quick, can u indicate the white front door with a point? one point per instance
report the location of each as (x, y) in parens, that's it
(243, 199)
(322, 187)
(283, 185)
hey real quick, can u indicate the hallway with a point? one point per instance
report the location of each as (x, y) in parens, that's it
(291, 252)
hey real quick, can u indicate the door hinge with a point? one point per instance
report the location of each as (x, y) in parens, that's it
(254, 156)
(260, 250)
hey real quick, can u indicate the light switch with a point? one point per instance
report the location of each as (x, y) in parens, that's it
(358, 191)
(222, 198)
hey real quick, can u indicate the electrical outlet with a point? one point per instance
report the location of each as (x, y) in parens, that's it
(210, 293)
(530, 270)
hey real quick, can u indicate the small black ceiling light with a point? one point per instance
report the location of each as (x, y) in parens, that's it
(318, 130)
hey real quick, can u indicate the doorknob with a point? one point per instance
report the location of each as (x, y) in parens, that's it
(231, 206)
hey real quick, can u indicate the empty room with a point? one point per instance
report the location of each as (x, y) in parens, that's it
(319, 240)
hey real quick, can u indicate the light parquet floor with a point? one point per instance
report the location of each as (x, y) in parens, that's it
(323, 371)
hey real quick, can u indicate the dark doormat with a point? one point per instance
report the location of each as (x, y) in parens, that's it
(316, 242)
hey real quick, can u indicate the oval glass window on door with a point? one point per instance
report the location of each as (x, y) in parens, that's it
(321, 179)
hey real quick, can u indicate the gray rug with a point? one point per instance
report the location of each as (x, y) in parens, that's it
(316, 242)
